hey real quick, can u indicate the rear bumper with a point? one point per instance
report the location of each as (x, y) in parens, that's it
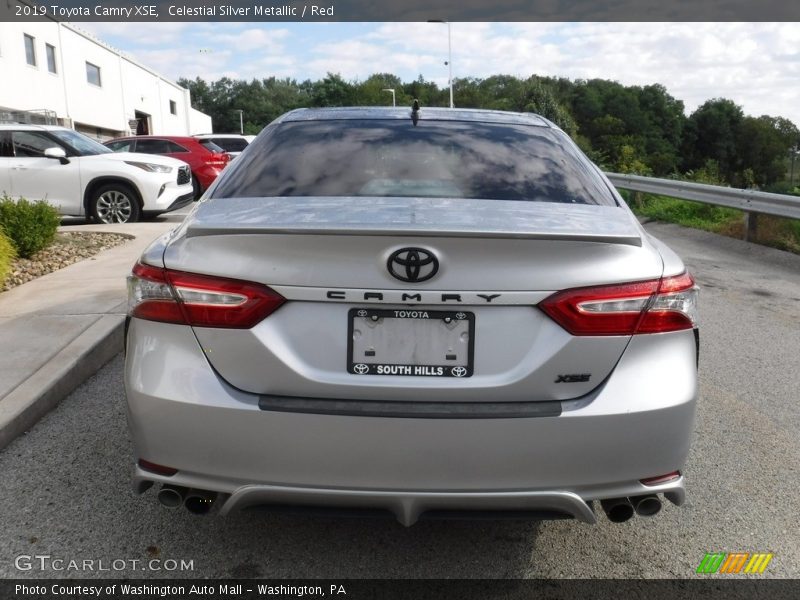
(637, 424)
(408, 506)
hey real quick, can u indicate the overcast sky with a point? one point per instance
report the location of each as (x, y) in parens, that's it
(757, 65)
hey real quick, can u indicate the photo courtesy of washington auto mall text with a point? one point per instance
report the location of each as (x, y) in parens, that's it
(141, 590)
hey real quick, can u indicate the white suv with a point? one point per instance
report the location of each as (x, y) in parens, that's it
(81, 177)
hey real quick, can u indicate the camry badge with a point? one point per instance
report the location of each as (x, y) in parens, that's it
(412, 264)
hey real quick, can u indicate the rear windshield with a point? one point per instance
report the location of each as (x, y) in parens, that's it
(230, 144)
(434, 159)
(210, 146)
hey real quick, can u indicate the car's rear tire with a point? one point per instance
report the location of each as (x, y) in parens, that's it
(114, 203)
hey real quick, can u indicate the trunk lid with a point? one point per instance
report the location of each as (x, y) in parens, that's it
(328, 257)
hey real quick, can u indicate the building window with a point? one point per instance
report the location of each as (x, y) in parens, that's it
(93, 74)
(51, 58)
(30, 49)
(173, 107)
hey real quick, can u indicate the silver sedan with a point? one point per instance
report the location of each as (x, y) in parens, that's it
(427, 312)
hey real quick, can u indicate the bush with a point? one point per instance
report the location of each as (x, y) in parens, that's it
(7, 254)
(30, 225)
(689, 214)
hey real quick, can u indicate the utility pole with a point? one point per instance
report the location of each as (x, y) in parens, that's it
(449, 62)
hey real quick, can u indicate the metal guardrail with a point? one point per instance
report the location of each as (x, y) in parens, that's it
(752, 202)
(780, 205)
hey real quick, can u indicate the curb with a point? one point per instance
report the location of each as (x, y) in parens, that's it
(77, 361)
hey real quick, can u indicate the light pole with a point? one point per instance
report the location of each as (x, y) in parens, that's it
(241, 120)
(391, 91)
(449, 56)
(795, 151)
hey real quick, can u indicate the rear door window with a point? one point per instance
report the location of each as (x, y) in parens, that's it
(175, 148)
(120, 146)
(152, 146)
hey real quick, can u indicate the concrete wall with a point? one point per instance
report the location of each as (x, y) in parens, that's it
(23, 87)
(199, 122)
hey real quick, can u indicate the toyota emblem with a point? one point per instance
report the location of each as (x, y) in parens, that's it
(412, 264)
(458, 371)
(361, 369)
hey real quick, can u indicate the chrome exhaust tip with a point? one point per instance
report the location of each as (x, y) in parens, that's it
(647, 505)
(618, 510)
(171, 496)
(199, 502)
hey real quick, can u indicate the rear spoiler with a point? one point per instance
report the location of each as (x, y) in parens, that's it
(414, 217)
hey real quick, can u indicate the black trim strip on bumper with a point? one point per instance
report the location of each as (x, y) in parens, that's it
(181, 202)
(411, 410)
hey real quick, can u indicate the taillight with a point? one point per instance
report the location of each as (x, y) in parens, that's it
(654, 306)
(219, 159)
(199, 300)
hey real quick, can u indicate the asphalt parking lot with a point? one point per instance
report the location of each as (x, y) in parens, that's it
(65, 493)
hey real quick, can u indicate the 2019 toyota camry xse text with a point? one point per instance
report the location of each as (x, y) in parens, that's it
(427, 312)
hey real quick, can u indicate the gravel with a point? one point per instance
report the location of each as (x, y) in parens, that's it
(67, 248)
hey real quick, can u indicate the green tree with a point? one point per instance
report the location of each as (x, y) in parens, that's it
(663, 129)
(467, 92)
(501, 92)
(714, 127)
(761, 152)
(627, 128)
(539, 99)
(332, 91)
(427, 92)
(371, 92)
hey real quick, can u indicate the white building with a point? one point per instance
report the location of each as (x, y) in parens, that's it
(88, 85)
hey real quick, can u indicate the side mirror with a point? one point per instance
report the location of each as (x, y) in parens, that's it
(57, 153)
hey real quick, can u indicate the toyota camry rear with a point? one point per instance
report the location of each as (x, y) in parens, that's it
(427, 312)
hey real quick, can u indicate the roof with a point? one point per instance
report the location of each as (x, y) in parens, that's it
(204, 136)
(428, 114)
(171, 138)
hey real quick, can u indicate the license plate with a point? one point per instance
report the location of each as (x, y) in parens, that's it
(410, 342)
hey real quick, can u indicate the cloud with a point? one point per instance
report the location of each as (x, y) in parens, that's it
(144, 34)
(248, 40)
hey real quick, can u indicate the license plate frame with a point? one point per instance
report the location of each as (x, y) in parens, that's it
(460, 319)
